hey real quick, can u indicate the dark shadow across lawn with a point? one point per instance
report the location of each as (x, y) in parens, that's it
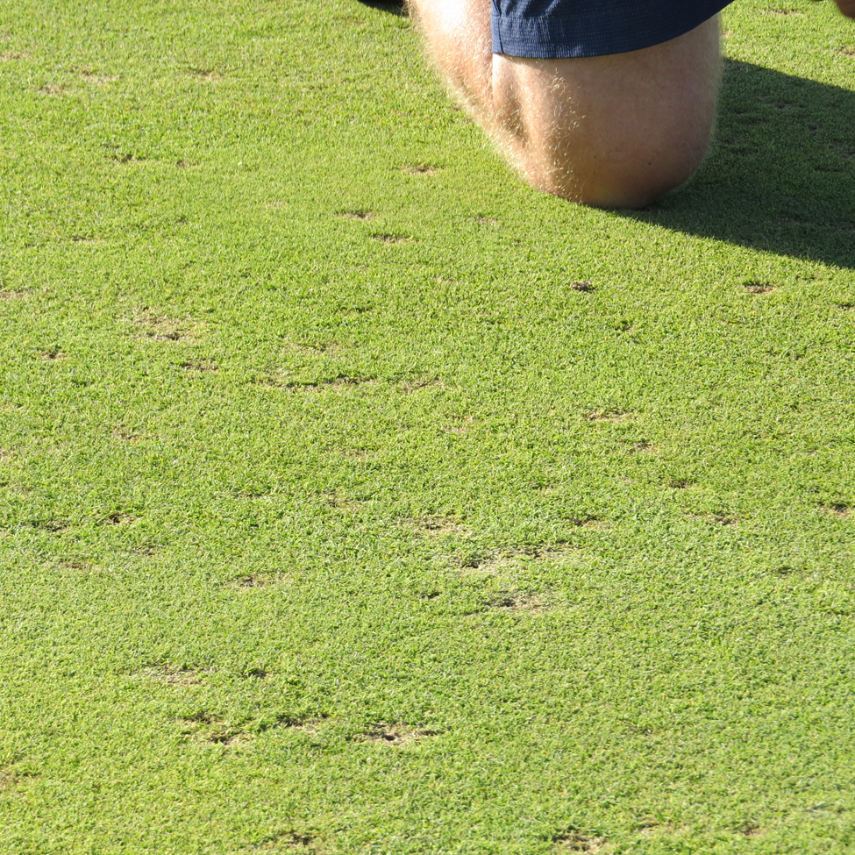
(780, 175)
(396, 7)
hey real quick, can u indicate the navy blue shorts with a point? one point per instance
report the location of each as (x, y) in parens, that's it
(560, 29)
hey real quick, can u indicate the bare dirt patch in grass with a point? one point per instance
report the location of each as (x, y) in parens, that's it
(574, 840)
(158, 327)
(146, 549)
(338, 383)
(783, 570)
(13, 55)
(441, 527)
(8, 779)
(495, 562)
(254, 580)
(201, 367)
(841, 510)
(755, 286)
(751, 830)
(255, 674)
(654, 828)
(363, 216)
(94, 78)
(394, 734)
(209, 75)
(461, 425)
(126, 157)
(314, 348)
(420, 169)
(641, 446)
(414, 384)
(204, 727)
(518, 601)
(53, 354)
(335, 500)
(173, 675)
(126, 435)
(289, 841)
(847, 51)
(119, 518)
(583, 521)
(8, 296)
(722, 519)
(679, 484)
(51, 526)
(392, 239)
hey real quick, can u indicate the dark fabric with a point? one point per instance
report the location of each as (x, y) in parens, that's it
(560, 29)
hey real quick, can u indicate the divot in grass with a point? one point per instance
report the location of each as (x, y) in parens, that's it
(782, 13)
(420, 169)
(394, 734)
(392, 239)
(783, 571)
(441, 527)
(518, 601)
(254, 580)
(342, 381)
(173, 675)
(118, 518)
(95, 79)
(206, 728)
(157, 327)
(200, 367)
(288, 841)
(362, 216)
(53, 354)
(51, 526)
(209, 75)
(496, 562)
(841, 510)
(641, 446)
(679, 484)
(755, 286)
(751, 830)
(574, 840)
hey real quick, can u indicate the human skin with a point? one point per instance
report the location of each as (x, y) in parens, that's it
(610, 131)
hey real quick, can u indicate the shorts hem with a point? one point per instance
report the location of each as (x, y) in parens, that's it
(593, 34)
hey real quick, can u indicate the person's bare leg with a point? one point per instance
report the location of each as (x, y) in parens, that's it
(615, 131)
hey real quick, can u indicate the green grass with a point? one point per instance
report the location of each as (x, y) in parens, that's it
(336, 517)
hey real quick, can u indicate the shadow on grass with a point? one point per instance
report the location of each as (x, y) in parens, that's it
(396, 7)
(780, 175)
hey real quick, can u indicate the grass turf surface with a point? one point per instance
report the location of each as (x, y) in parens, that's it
(355, 497)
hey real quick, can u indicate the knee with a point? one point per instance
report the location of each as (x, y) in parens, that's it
(613, 131)
(631, 175)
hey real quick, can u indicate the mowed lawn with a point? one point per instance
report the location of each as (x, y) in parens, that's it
(356, 498)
